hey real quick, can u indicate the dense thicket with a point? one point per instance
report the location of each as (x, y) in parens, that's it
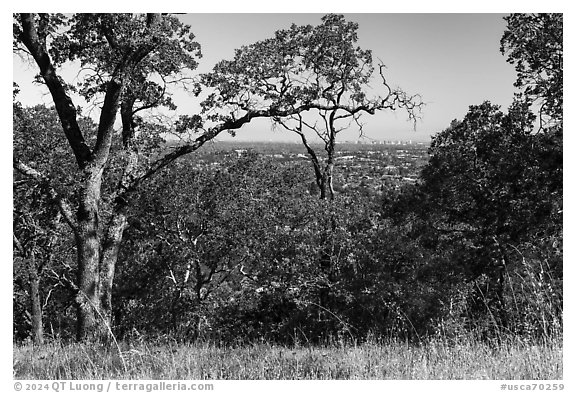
(231, 254)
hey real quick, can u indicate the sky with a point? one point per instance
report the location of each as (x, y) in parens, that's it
(451, 60)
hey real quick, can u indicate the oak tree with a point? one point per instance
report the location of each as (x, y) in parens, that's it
(123, 51)
(309, 73)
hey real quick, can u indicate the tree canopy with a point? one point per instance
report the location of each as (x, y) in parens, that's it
(534, 44)
(311, 67)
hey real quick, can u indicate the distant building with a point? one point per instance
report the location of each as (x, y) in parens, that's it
(392, 170)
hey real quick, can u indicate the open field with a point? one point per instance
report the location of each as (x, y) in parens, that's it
(434, 360)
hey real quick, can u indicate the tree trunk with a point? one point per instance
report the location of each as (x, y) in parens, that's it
(35, 301)
(115, 231)
(322, 186)
(118, 222)
(327, 195)
(328, 179)
(90, 326)
(500, 264)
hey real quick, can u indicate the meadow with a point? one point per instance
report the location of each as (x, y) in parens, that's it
(435, 359)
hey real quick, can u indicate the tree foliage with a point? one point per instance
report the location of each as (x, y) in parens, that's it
(232, 255)
(491, 199)
(534, 44)
(41, 257)
(489, 171)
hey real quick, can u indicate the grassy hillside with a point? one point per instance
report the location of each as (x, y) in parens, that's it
(437, 359)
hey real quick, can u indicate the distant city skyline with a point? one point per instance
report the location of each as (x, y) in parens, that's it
(452, 60)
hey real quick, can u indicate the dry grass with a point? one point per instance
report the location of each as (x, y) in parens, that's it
(435, 360)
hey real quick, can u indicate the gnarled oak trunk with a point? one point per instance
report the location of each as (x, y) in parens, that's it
(89, 324)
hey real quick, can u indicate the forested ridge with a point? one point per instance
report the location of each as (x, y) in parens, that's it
(118, 234)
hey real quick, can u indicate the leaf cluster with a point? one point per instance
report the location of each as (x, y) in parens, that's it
(534, 44)
(488, 171)
(303, 66)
